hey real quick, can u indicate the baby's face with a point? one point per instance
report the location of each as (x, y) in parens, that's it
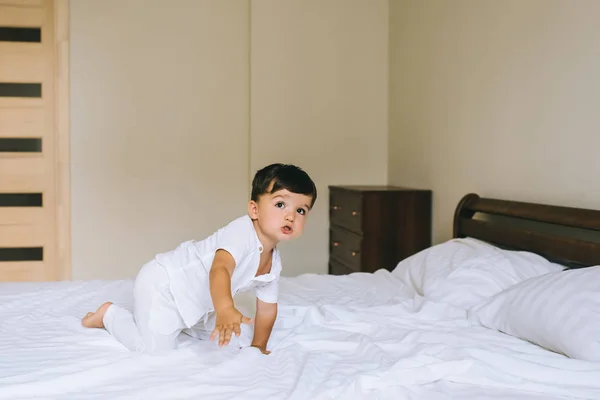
(282, 214)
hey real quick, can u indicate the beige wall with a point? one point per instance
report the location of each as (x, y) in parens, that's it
(495, 97)
(176, 103)
(319, 99)
(171, 99)
(159, 125)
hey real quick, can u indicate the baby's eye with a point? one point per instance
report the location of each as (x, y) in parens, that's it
(279, 204)
(301, 211)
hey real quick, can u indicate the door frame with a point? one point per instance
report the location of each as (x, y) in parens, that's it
(63, 143)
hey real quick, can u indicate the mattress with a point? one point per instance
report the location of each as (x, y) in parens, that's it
(361, 336)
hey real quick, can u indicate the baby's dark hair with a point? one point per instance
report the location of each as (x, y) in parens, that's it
(283, 176)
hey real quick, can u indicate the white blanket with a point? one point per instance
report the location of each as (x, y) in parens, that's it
(348, 337)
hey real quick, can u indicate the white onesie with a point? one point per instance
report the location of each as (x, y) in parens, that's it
(172, 292)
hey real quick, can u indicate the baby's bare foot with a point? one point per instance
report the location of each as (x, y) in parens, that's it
(95, 319)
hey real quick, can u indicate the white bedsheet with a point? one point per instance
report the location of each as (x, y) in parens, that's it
(350, 337)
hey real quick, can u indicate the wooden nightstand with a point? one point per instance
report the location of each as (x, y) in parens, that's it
(374, 227)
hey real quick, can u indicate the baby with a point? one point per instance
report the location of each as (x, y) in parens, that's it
(196, 281)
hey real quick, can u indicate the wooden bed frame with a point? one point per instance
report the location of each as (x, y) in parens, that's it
(567, 236)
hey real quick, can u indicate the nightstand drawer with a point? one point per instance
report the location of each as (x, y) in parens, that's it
(345, 209)
(336, 268)
(346, 247)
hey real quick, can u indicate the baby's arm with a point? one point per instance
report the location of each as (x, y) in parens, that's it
(228, 317)
(266, 313)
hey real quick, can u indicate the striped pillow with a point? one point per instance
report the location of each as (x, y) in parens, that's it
(559, 311)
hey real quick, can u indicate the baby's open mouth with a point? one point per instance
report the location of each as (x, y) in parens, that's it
(287, 230)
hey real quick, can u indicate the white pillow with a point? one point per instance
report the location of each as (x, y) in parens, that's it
(463, 272)
(559, 311)
(436, 262)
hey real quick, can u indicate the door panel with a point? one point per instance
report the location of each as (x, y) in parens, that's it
(28, 142)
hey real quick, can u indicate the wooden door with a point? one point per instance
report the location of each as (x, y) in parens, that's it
(34, 162)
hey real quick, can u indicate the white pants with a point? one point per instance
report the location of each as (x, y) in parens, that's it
(155, 323)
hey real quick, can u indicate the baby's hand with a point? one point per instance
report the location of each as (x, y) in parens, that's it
(228, 322)
(263, 349)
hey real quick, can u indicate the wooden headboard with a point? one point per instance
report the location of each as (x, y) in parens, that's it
(564, 235)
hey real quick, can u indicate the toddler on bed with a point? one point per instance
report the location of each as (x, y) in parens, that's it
(196, 281)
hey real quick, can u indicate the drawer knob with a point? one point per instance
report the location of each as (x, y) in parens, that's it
(335, 208)
(336, 244)
(354, 253)
(354, 213)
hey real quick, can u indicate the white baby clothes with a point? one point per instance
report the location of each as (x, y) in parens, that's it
(172, 292)
(155, 323)
(188, 267)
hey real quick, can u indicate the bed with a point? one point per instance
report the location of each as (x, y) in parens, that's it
(455, 321)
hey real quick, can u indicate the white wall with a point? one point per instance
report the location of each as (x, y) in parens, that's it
(319, 99)
(498, 98)
(159, 125)
(176, 103)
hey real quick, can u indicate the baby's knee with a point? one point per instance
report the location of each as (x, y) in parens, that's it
(157, 345)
